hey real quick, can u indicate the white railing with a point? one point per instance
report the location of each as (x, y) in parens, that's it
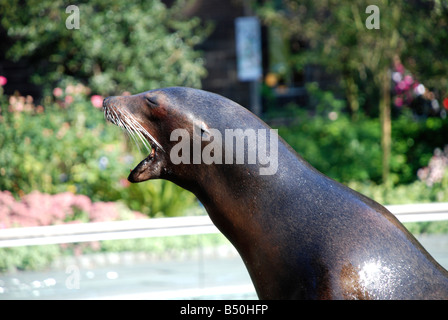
(163, 227)
(99, 231)
(420, 212)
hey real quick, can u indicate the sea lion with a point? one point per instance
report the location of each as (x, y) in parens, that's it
(300, 234)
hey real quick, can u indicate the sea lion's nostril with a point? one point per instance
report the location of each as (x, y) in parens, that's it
(107, 101)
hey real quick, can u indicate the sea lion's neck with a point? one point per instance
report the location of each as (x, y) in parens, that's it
(235, 195)
(236, 201)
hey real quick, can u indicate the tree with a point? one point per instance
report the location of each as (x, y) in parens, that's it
(113, 46)
(359, 41)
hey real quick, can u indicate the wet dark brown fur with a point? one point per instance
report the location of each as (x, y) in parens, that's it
(300, 234)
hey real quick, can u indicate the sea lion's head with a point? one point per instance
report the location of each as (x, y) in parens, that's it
(159, 119)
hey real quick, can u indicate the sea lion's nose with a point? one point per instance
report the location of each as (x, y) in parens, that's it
(108, 101)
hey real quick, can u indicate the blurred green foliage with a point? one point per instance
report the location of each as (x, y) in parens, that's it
(70, 147)
(27, 258)
(431, 227)
(333, 34)
(349, 150)
(64, 144)
(120, 45)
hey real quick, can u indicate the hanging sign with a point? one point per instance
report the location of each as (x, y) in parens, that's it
(248, 48)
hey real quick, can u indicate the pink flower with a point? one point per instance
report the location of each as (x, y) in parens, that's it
(82, 202)
(57, 92)
(37, 209)
(103, 211)
(399, 101)
(70, 89)
(399, 67)
(68, 99)
(3, 81)
(125, 183)
(408, 80)
(445, 103)
(97, 101)
(402, 86)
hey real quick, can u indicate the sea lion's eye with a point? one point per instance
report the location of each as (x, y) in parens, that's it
(152, 102)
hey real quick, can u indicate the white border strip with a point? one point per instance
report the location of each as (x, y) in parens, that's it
(193, 293)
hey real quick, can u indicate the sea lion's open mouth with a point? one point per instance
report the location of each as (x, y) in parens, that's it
(125, 120)
(145, 163)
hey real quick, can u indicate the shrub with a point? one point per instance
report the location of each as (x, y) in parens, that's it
(40, 209)
(119, 45)
(67, 146)
(348, 150)
(27, 258)
(340, 148)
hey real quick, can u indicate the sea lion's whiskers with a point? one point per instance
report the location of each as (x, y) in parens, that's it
(139, 136)
(139, 130)
(112, 116)
(121, 120)
(126, 122)
(135, 134)
(132, 128)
